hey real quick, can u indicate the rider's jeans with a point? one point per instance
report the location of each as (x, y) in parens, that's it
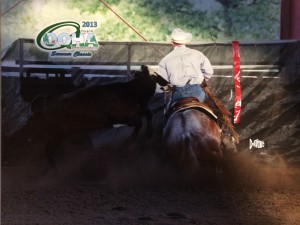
(189, 90)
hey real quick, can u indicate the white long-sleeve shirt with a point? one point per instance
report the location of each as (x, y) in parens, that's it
(185, 65)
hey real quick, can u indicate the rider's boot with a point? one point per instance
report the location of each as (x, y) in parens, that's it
(229, 144)
(228, 141)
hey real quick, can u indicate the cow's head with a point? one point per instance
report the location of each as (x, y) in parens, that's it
(144, 72)
(150, 72)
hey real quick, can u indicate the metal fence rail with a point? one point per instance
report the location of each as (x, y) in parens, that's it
(135, 54)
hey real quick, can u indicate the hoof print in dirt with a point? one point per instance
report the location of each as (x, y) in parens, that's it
(176, 215)
(147, 218)
(119, 208)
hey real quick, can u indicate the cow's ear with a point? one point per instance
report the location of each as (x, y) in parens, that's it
(144, 68)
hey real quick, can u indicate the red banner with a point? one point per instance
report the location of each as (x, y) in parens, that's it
(237, 82)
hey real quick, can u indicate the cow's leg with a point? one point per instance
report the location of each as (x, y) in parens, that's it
(149, 127)
(54, 139)
(137, 123)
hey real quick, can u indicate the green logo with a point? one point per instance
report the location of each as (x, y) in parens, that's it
(50, 39)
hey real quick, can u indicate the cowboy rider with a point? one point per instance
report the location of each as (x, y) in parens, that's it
(188, 71)
(185, 68)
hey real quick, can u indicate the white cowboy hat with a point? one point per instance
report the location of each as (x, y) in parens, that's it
(181, 37)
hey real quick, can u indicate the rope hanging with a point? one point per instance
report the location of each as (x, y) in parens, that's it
(121, 18)
(129, 25)
(13, 6)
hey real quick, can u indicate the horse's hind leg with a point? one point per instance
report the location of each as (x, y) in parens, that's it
(182, 157)
(188, 156)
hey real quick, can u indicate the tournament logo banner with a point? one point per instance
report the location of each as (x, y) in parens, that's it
(69, 39)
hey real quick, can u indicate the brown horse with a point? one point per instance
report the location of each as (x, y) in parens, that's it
(193, 134)
(192, 137)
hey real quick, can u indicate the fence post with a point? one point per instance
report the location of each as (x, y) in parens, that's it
(21, 56)
(129, 59)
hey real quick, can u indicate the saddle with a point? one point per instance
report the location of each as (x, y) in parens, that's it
(190, 103)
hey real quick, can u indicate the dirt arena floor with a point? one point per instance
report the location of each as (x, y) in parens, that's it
(93, 187)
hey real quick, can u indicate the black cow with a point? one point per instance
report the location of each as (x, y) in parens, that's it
(97, 107)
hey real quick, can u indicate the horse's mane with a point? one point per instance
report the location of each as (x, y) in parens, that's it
(220, 110)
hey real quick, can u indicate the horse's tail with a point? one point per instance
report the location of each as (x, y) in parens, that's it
(222, 112)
